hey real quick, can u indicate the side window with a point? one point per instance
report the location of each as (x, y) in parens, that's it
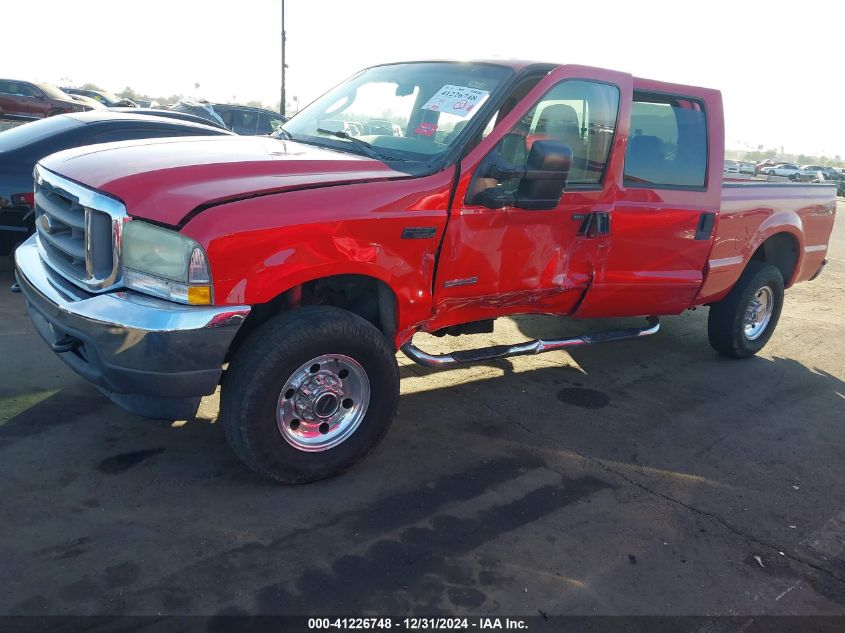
(5, 88)
(516, 95)
(16, 88)
(26, 90)
(243, 121)
(580, 113)
(668, 142)
(267, 124)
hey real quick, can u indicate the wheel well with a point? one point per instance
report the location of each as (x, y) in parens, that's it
(780, 250)
(368, 297)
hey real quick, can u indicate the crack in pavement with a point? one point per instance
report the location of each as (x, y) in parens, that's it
(711, 515)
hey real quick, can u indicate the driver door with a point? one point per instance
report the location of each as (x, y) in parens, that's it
(511, 260)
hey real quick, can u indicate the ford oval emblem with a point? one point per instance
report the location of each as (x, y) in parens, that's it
(46, 224)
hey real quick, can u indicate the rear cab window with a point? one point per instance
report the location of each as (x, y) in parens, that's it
(667, 144)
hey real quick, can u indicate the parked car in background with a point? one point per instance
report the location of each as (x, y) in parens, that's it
(746, 167)
(829, 172)
(171, 114)
(731, 167)
(242, 120)
(27, 101)
(793, 172)
(143, 103)
(826, 175)
(761, 166)
(21, 147)
(108, 99)
(91, 103)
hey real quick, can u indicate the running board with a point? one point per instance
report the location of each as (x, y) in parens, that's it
(537, 346)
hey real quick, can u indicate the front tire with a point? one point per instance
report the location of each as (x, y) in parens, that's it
(742, 323)
(309, 394)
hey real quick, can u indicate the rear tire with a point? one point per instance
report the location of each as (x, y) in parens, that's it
(309, 394)
(742, 323)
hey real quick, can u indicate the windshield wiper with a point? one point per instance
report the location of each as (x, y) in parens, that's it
(363, 146)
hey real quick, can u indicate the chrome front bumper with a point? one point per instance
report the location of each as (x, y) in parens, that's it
(152, 357)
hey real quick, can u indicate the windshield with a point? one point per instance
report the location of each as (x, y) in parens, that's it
(404, 111)
(53, 92)
(100, 95)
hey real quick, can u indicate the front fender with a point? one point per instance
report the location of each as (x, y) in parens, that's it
(264, 246)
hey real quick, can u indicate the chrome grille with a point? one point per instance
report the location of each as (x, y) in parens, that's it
(79, 231)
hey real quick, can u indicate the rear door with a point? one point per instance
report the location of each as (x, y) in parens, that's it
(665, 212)
(513, 260)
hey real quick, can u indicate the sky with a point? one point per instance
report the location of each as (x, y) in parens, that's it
(777, 64)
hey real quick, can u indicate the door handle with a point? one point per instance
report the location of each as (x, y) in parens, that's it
(704, 230)
(593, 223)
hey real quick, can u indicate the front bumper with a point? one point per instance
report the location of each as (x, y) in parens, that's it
(152, 357)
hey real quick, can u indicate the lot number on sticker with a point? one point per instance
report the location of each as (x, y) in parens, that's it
(457, 100)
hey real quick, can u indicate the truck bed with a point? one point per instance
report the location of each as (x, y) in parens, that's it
(753, 212)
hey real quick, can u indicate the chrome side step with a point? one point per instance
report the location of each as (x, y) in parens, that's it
(537, 346)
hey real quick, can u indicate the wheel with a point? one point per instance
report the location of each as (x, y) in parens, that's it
(309, 394)
(742, 323)
(771, 172)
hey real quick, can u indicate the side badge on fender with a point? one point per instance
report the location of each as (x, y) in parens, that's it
(418, 232)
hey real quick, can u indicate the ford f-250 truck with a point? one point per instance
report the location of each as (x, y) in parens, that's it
(430, 196)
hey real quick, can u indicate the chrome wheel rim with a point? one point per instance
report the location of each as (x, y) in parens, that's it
(323, 402)
(759, 313)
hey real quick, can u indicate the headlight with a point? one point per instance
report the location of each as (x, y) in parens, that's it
(165, 264)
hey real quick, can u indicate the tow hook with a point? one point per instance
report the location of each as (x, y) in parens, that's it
(16, 288)
(66, 344)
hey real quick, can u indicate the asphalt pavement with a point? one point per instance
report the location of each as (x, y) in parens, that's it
(643, 477)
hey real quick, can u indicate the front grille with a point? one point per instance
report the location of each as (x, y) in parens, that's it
(78, 231)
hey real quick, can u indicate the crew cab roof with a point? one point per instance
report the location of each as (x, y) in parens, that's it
(518, 65)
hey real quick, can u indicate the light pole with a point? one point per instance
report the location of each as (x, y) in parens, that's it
(282, 103)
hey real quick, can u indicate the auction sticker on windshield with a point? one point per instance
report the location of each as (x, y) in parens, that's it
(458, 100)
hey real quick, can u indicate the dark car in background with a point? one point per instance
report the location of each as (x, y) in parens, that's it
(21, 147)
(243, 120)
(108, 99)
(24, 100)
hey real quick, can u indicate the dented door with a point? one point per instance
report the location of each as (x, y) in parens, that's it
(511, 260)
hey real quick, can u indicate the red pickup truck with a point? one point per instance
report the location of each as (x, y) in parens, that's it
(429, 196)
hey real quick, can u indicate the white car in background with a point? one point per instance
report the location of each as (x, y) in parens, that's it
(793, 172)
(731, 167)
(746, 167)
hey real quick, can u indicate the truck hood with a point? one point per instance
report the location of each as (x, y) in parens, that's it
(165, 179)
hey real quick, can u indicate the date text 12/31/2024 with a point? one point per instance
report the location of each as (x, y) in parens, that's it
(416, 624)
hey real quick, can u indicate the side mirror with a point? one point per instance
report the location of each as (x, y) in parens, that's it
(541, 181)
(546, 173)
